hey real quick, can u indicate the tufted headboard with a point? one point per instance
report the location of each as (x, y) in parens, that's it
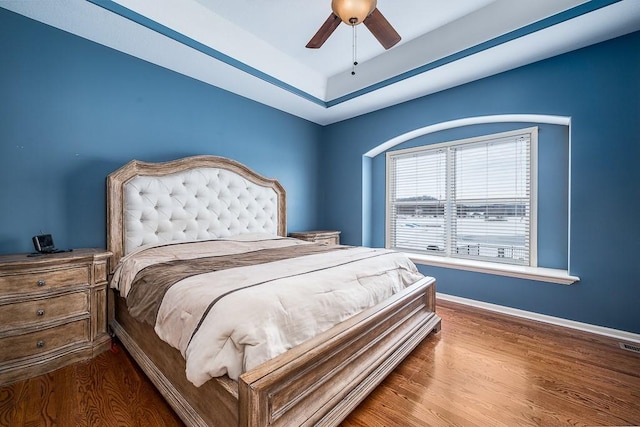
(193, 198)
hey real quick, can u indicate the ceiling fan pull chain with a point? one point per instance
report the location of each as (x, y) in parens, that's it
(354, 50)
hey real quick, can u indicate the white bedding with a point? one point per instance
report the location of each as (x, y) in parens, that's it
(288, 301)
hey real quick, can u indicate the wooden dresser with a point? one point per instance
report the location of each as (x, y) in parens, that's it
(319, 236)
(53, 311)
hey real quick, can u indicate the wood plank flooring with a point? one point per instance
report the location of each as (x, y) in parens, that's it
(482, 369)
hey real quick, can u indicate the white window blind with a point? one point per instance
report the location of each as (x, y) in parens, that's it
(465, 199)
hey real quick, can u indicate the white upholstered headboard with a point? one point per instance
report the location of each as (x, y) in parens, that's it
(194, 198)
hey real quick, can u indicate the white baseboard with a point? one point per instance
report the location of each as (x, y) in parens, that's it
(586, 327)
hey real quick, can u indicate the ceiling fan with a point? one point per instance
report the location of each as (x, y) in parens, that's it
(354, 12)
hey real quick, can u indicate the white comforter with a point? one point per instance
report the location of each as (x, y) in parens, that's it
(294, 300)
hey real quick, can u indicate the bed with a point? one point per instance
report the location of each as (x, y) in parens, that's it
(206, 200)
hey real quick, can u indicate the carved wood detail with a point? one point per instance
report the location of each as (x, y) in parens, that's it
(53, 309)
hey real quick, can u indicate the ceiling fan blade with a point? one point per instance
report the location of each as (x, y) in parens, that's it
(381, 29)
(324, 32)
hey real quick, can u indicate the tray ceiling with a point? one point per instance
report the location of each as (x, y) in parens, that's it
(256, 49)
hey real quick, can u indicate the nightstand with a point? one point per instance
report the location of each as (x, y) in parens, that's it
(321, 236)
(53, 309)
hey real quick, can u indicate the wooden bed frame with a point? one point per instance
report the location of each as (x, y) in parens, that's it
(316, 383)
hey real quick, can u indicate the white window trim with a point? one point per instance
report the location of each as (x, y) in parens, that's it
(542, 274)
(532, 272)
(533, 131)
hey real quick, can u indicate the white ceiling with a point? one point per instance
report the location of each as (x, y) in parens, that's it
(255, 48)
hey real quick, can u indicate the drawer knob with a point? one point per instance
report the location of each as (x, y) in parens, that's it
(40, 312)
(40, 344)
(42, 282)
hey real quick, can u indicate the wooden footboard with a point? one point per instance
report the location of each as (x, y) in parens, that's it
(320, 381)
(316, 383)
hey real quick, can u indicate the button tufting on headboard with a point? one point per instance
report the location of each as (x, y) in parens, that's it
(197, 197)
(197, 204)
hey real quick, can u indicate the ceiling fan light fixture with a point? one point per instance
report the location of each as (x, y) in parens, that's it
(353, 12)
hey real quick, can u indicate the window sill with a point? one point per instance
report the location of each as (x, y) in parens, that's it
(542, 274)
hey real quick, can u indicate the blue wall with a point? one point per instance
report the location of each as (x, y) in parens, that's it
(72, 111)
(599, 88)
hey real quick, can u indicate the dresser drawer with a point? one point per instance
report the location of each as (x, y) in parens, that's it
(46, 340)
(31, 312)
(328, 240)
(322, 236)
(43, 280)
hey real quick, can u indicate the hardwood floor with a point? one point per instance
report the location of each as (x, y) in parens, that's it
(482, 369)
(488, 369)
(108, 391)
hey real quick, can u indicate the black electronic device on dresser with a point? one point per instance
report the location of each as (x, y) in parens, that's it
(43, 244)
